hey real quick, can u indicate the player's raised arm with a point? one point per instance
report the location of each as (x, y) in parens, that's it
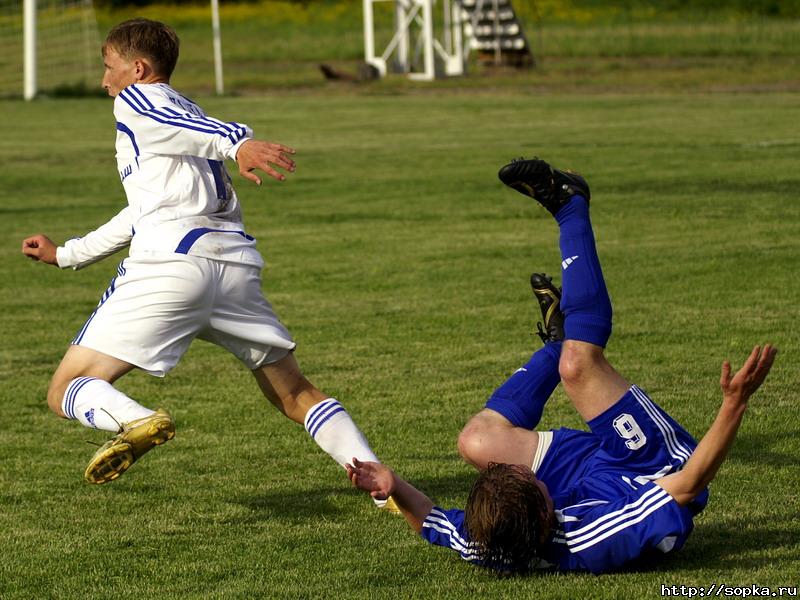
(381, 482)
(706, 459)
(158, 127)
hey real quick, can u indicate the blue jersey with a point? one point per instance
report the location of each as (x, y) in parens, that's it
(608, 510)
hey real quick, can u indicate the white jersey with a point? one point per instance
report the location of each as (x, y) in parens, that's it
(180, 198)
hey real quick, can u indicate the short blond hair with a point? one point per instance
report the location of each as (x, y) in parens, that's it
(143, 38)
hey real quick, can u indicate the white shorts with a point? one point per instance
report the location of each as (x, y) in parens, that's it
(156, 306)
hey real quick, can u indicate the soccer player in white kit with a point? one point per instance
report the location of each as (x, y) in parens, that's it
(192, 270)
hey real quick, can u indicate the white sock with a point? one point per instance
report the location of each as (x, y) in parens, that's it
(336, 433)
(95, 403)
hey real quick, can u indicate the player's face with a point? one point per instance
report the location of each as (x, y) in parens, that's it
(119, 72)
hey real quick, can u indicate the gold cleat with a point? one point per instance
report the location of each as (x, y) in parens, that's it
(114, 457)
(390, 506)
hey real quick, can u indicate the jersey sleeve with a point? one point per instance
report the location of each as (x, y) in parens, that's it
(605, 536)
(96, 245)
(446, 528)
(159, 128)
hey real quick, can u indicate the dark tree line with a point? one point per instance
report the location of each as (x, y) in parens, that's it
(775, 8)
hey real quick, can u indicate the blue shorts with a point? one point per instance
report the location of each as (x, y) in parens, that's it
(632, 442)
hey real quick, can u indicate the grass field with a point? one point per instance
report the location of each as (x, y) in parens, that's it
(400, 264)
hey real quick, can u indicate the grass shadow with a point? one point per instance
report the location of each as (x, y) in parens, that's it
(757, 449)
(740, 543)
(291, 505)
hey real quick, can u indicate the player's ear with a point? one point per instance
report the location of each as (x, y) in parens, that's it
(141, 68)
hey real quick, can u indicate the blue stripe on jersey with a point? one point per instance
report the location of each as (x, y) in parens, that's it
(125, 129)
(161, 116)
(132, 100)
(219, 179)
(153, 114)
(135, 91)
(195, 234)
(213, 122)
(194, 120)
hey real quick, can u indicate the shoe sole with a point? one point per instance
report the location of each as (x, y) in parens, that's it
(119, 457)
(510, 175)
(517, 175)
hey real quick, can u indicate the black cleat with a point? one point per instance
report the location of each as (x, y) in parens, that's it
(549, 298)
(548, 186)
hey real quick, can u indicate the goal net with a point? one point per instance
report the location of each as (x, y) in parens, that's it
(67, 47)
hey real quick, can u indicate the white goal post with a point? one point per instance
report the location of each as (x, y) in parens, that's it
(55, 45)
(48, 45)
(29, 51)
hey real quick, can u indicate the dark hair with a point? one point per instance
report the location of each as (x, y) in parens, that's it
(143, 38)
(507, 517)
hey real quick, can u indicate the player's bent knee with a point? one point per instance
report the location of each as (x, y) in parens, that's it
(55, 395)
(473, 444)
(577, 359)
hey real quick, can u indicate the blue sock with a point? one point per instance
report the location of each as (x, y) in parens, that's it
(522, 397)
(584, 299)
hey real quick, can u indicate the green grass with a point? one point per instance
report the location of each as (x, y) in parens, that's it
(400, 264)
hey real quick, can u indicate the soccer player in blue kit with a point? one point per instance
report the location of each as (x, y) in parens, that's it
(192, 271)
(573, 500)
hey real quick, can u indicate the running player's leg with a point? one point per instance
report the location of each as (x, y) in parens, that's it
(81, 389)
(589, 380)
(323, 417)
(146, 319)
(503, 431)
(244, 322)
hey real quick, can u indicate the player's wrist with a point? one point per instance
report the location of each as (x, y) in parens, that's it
(734, 403)
(234, 151)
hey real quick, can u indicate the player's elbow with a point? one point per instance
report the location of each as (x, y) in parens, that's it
(683, 486)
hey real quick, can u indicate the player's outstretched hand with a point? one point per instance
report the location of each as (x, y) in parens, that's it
(372, 477)
(40, 248)
(749, 378)
(255, 154)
